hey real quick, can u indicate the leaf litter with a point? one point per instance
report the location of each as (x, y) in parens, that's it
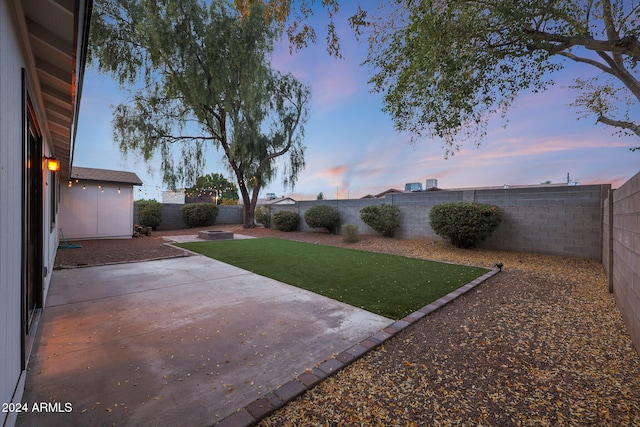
(540, 344)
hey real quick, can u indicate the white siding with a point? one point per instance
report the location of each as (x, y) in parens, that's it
(12, 61)
(11, 64)
(89, 212)
(50, 232)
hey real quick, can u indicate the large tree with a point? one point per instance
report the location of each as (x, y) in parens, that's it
(199, 73)
(446, 67)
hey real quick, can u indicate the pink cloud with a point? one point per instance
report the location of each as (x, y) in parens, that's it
(332, 172)
(497, 151)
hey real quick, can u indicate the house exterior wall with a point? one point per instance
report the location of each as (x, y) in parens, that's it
(11, 163)
(173, 197)
(89, 212)
(49, 226)
(12, 167)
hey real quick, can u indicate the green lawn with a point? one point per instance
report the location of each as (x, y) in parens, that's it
(389, 285)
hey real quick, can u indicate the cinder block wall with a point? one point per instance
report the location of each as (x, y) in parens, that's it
(563, 221)
(557, 220)
(172, 219)
(624, 266)
(229, 214)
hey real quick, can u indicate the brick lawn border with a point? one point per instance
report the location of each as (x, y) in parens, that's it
(260, 408)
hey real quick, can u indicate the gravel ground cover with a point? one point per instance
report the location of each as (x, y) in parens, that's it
(541, 343)
(110, 251)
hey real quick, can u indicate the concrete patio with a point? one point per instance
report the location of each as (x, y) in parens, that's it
(185, 341)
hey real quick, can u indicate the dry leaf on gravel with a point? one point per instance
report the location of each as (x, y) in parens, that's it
(540, 344)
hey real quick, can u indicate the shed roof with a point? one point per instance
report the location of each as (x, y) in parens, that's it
(105, 175)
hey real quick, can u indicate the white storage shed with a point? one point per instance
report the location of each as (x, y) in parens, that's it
(97, 204)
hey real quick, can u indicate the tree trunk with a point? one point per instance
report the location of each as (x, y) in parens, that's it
(247, 211)
(251, 212)
(248, 216)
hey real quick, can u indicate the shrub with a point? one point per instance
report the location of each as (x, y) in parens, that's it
(385, 219)
(149, 213)
(199, 214)
(465, 224)
(322, 216)
(286, 221)
(262, 216)
(350, 233)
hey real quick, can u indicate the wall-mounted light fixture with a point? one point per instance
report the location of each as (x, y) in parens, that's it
(52, 164)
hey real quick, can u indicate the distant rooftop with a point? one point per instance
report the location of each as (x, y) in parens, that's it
(382, 194)
(501, 187)
(105, 175)
(276, 201)
(509, 186)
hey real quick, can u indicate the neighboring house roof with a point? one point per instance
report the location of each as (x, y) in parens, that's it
(58, 33)
(510, 186)
(276, 201)
(105, 175)
(379, 195)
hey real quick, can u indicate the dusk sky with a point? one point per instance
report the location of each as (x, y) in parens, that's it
(353, 150)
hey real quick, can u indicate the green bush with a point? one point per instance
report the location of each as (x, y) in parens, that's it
(149, 213)
(262, 216)
(199, 214)
(464, 224)
(350, 233)
(385, 219)
(322, 216)
(286, 221)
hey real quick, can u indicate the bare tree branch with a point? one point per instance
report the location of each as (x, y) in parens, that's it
(597, 64)
(627, 45)
(630, 126)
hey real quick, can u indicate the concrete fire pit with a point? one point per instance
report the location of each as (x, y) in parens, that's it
(215, 235)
